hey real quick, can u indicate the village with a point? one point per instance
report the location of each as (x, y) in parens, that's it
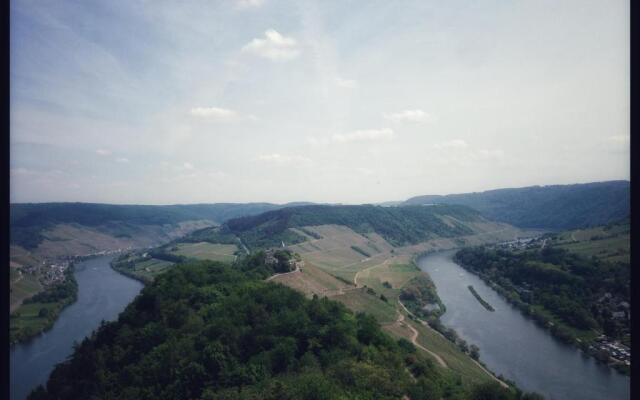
(608, 350)
(51, 272)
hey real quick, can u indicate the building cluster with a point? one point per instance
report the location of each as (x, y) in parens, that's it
(518, 244)
(616, 351)
(53, 274)
(619, 308)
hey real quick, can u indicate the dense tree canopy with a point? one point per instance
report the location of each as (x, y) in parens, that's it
(563, 283)
(205, 330)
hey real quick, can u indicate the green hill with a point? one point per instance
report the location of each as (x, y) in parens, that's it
(398, 225)
(546, 207)
(209, 331)
(28, 220)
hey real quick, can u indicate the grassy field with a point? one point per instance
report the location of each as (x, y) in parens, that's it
(359, 300)
(32, 318)
(455, 359)
(313, 280)
(151, 268)
(143, 269)
(27, 320)
(332, 265)
(356, 269)
(606, 244)
(22, 286)
(207, 251)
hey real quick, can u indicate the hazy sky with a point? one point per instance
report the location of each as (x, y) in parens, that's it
(163, 102)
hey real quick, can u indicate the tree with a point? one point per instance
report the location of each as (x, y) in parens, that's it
(489, 391)
(474, 351)
(43, 313)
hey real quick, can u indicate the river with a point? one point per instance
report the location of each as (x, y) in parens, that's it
(513, 345)
(102, 295)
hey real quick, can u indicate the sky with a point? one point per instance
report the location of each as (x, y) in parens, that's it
(164, 102)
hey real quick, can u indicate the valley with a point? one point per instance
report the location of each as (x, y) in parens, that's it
(367, 258)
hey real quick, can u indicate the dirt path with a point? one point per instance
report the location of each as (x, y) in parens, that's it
(427, 326)
(355, 278)
(284, 273)
(414, 337)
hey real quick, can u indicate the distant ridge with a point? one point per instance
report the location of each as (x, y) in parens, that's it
(28, 220)
(550, 207)
(397, 225)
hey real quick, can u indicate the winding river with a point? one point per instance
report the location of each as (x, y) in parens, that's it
(102, 295)
(515, 346)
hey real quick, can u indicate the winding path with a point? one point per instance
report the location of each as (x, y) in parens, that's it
(284, 273)
(414, 337)
(355, 278)
(413, 340)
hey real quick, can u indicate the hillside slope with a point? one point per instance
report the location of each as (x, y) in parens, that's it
(546, 207)
(397, 225)
(29, 220)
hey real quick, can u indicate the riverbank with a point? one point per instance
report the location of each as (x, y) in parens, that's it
(583, 340)
(102, 294)
(39, 313)
(513, 346)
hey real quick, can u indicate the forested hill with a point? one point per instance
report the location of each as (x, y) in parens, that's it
(29, 219)
(209, 331)
(398, 225)
(551, 207)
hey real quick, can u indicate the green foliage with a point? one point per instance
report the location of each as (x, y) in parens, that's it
(27, 220)
(38, 313)
(553, 281)
(398, 225)
(480, 299)
(420, 292)
(550, 207)
(211, 235)
(60, 292)
(205, 330)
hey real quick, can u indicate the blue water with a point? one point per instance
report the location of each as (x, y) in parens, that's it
(513, 345)
(102, 295)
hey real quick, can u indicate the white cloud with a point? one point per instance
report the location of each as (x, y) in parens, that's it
(214, 113)
(122, 160)
(279, 159)
(451, 144)
(363, 135)
(245, 4)
(346, 83)
(103, 152)
(273, 46)
(188, 165)
(409, 116)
